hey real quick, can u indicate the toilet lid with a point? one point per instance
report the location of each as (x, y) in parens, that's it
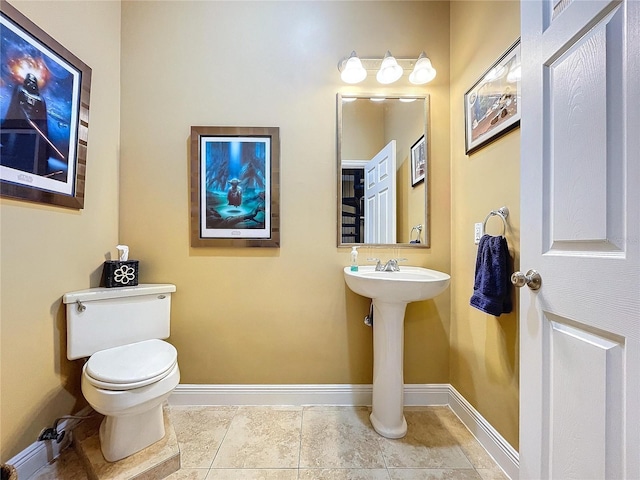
(134, 364)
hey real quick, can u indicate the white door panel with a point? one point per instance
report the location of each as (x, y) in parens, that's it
(380, 196)
(580, 213)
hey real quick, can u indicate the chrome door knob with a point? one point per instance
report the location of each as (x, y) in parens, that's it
(532, 279)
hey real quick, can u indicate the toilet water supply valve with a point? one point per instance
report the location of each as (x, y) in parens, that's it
(52, 432)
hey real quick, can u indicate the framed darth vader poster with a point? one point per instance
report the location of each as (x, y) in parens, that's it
(44, 115)
(235, 186)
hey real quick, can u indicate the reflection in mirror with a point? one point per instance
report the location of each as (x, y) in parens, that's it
(380, 200)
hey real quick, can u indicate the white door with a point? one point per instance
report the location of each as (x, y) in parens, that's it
(380, 196)
(580, 210)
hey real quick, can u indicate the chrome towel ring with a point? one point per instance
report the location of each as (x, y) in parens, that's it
(418, 230)
(503, 213)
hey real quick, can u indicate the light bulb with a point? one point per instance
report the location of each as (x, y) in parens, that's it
(423, 72)
(389, 71)
(352, 70)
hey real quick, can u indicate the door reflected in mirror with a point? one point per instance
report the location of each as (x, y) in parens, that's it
(379, 200)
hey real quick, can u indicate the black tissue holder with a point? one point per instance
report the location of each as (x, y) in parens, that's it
(120, 273)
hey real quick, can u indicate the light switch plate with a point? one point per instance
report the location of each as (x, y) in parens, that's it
(478, 233)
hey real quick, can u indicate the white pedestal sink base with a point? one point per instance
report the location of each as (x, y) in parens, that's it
(391, 291)
(387, 415)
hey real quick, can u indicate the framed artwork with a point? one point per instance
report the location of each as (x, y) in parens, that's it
(418, 161)
(235, 187)
(492, 105)
(44, 115)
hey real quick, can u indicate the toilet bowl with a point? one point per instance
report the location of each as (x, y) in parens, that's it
(130, 371)
(130, 394)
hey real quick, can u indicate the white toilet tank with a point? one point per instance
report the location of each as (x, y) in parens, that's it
(101, 318)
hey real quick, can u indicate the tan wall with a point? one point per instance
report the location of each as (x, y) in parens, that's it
(484, 349)
(270, 315)
(362, 130)
(47, 251)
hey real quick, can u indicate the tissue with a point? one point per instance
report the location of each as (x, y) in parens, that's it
(123, 252)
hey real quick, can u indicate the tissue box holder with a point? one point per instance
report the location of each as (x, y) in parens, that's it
(117, 273)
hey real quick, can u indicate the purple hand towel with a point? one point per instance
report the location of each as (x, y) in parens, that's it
(492, 286)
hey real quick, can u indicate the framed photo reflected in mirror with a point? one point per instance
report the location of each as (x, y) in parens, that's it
(418, 161)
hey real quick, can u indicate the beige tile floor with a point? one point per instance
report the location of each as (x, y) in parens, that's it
(313, 443)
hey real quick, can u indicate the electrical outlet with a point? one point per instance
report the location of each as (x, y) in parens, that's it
(478, 233)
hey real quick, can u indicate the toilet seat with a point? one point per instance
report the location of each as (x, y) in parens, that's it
(131, 366)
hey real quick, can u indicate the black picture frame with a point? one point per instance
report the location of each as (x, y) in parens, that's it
(44, 125)
(418, 161)
(492, 104)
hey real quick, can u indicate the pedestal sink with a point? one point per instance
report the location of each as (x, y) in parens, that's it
(391, 292)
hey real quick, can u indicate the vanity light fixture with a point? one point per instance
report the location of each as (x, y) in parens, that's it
(423, 72)
(388, 69)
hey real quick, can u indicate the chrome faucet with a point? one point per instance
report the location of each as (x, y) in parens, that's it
(390, 266)
(378, 264)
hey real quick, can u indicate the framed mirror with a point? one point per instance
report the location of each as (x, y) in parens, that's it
(383, 170)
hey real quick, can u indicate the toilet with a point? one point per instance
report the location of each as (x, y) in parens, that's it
(130, 370)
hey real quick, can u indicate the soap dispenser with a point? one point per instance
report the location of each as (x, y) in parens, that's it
(354, 259)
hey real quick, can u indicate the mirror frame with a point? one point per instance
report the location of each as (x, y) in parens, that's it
(427, 177)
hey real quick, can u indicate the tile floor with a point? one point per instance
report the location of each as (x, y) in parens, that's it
(312, 443)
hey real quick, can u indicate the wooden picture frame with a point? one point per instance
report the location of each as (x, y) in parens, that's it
(235, 186)
(492, 105)
(44, 123)
(418, 161)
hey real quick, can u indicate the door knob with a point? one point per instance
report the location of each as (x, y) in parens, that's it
(532, 279)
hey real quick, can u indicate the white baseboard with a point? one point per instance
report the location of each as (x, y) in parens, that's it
(335, 394)
(414, 395)
(494, 443)
(186, 394)
(40, 453)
